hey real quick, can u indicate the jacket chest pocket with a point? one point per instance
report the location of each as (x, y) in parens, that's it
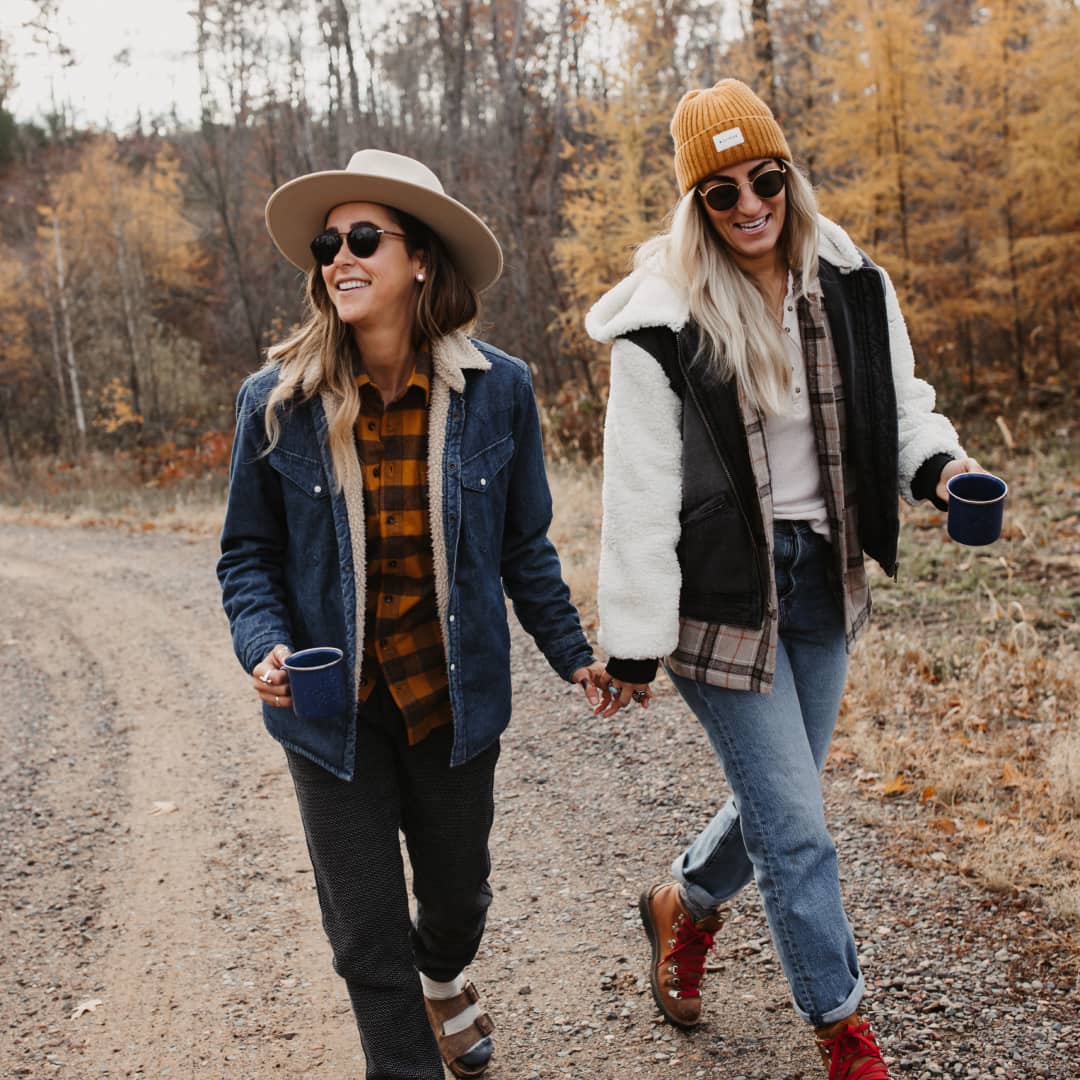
(305, 496)
(485, 470)
(484, 479)
(302, 473)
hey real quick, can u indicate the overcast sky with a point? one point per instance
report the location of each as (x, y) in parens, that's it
(158, 34)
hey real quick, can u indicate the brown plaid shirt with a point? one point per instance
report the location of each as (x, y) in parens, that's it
(742, 659)
(402, 637)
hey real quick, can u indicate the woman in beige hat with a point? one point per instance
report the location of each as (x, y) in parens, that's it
(387, 485)
(764, 417)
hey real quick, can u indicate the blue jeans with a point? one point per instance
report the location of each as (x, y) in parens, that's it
(772, 748)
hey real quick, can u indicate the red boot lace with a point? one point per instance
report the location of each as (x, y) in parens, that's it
(854, 1054)
(688, 956)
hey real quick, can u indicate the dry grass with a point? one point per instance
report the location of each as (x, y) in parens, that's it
(965, 695)
(575, 490)
(114, 492)
(963, 700)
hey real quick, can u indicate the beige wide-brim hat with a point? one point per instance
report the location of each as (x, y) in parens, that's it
(296, 212)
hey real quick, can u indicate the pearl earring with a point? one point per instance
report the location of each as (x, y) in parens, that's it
(420, 276)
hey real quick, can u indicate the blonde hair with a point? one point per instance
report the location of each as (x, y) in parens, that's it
(740, 339)
(321, 356)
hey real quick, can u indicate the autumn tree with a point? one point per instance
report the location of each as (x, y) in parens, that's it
(925, 151)
(119, 251)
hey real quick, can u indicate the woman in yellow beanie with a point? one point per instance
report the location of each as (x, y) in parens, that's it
(764, 416)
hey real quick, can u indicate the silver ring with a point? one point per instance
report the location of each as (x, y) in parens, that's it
(614, 690)
(640, 695)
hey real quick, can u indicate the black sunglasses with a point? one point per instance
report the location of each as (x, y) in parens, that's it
(724, 194)
(363, 240)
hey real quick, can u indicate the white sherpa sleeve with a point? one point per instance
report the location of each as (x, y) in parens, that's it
(922, 432)
(638, 592)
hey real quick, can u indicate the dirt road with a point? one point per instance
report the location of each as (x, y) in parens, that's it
(157, 911)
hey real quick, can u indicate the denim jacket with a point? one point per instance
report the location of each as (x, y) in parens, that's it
(292, 568)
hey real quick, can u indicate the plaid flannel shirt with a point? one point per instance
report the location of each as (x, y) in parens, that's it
(745, 659)
(402, 636)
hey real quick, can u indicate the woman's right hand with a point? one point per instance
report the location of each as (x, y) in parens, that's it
(271, 680)
(620, 694)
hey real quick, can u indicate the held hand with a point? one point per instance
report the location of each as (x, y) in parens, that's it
(592, 680)
(954, 468)
(620, 695)
(271, 680)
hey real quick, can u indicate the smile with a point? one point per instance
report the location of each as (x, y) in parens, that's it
(352, 283)
(754, 226)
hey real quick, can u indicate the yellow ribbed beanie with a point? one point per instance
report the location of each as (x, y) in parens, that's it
(722, 126)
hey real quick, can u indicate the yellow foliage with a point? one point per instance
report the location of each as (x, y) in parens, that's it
(619, 183)
(950, 152)
(15, 315)
(124, 221)
(116, 409)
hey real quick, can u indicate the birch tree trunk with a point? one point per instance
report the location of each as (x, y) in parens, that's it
(68, 346)
(61, 404)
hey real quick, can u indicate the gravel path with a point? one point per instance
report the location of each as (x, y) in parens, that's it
(158, 918)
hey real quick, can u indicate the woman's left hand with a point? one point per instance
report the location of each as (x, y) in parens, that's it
(592, 680)
(954, 468)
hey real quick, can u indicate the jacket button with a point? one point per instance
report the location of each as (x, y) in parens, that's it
(483, 481)
(452, 666)
(453, 466)
(318, 488)
(451, 618)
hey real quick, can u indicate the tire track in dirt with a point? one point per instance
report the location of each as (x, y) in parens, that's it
(177, 926)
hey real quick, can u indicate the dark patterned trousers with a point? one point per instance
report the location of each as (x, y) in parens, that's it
(352, 831)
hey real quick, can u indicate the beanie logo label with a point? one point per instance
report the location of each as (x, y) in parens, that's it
(725, 140)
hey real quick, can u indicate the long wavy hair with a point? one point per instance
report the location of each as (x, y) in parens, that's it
(740, 338)
(322, 354)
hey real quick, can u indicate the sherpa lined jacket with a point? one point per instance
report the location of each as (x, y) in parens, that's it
(642, 593)
(293, 562)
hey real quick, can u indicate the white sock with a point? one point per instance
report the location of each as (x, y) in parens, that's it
(442, 991)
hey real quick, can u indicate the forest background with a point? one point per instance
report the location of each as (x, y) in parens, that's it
(138, 286)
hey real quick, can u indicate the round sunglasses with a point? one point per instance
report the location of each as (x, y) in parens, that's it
(724, 194)
(363, 239)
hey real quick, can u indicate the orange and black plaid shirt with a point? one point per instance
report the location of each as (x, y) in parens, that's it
(402, 637)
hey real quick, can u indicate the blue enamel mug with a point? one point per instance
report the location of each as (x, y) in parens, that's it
(317, 683)
(976, 507)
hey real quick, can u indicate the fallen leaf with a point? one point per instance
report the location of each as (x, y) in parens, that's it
(84, 1007)
(943, 824)
(896, 786)
(1008, 777)
(163, 808)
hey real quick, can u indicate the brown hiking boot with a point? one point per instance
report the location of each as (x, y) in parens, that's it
(679, 947)
(850, 1051)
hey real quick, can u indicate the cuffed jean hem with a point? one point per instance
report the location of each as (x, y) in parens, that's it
(851, 1003)
(699, 902)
